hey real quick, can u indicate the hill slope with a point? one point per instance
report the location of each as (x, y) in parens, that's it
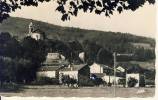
(19, 27)
(121, 42)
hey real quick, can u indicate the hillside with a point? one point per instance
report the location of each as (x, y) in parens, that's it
(19, 27)
(112, 41)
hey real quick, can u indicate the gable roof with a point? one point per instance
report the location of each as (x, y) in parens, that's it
(74, 68)
(49, 68)
(97, 64)
(99, 74)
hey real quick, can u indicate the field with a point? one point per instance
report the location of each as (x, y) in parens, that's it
(56, 91)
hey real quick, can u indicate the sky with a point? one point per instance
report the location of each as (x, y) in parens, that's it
(141, 22)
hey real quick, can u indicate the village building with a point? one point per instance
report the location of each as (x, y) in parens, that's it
(51, 72)
(78, 72)
(36, 34)
(108, 78)
(97, 68)
(134, 72)
(111, 79)
(82, 56)
(102, 71)
(50, 68)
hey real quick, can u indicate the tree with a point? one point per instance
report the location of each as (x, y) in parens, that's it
(91, 49)
(72, 7)
(76, 48)
(7, 72)
(132, 82)
(35, 52)
(10, 47)
(64, 48)
(104, 57)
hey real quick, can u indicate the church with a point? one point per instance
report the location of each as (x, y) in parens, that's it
(34, 33)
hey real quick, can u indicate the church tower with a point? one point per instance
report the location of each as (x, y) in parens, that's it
(36, 34)
(31, 28)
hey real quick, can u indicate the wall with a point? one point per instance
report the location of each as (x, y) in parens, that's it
(96, 68)
(72, 74)
(112, 78)
(51, 74)
(36, 36)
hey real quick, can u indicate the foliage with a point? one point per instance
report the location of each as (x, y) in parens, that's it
(72, 7)
(91, 49)
(19, 61)
(9, 45)
(110, 41)
(86, 82)
(149, 74)
(122, 82)
(132, 82)
(46, 80)
(98, 81)
(104, 57)
(142, 81)
(66, 79)
(9, 87)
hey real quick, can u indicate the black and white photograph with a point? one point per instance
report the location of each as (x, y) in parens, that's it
(78, 48)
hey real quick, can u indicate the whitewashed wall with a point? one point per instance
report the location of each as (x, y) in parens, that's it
(51, 74)
(112, 78)
(36, 36)
(72, 74)
(96, 68)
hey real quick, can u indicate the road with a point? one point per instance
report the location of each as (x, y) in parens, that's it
(56, 91)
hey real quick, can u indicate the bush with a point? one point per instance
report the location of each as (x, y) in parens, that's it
(142, 81)
(122, 82)
(88, 82)
(85, 82)
(10, 86)
(98, 81)
(132, 82)
(46, 81)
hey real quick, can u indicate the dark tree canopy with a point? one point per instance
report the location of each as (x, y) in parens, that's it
(72, 7)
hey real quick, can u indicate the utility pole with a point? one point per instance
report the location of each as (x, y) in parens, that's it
(114, 55)
(115, 61)
(126, 67)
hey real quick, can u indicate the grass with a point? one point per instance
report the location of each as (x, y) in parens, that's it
(56, 91)
(10, 87)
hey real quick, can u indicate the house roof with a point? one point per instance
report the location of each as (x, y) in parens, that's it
(99, 74)
(102, 65)
(49, 68)
(51, 62)
(74, 67)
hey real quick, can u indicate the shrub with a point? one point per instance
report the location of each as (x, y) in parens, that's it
(86, 82)
(132, 82)
(46, 80)
(142, 81)
(10, 86)
(98, 81)
(122, 82)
